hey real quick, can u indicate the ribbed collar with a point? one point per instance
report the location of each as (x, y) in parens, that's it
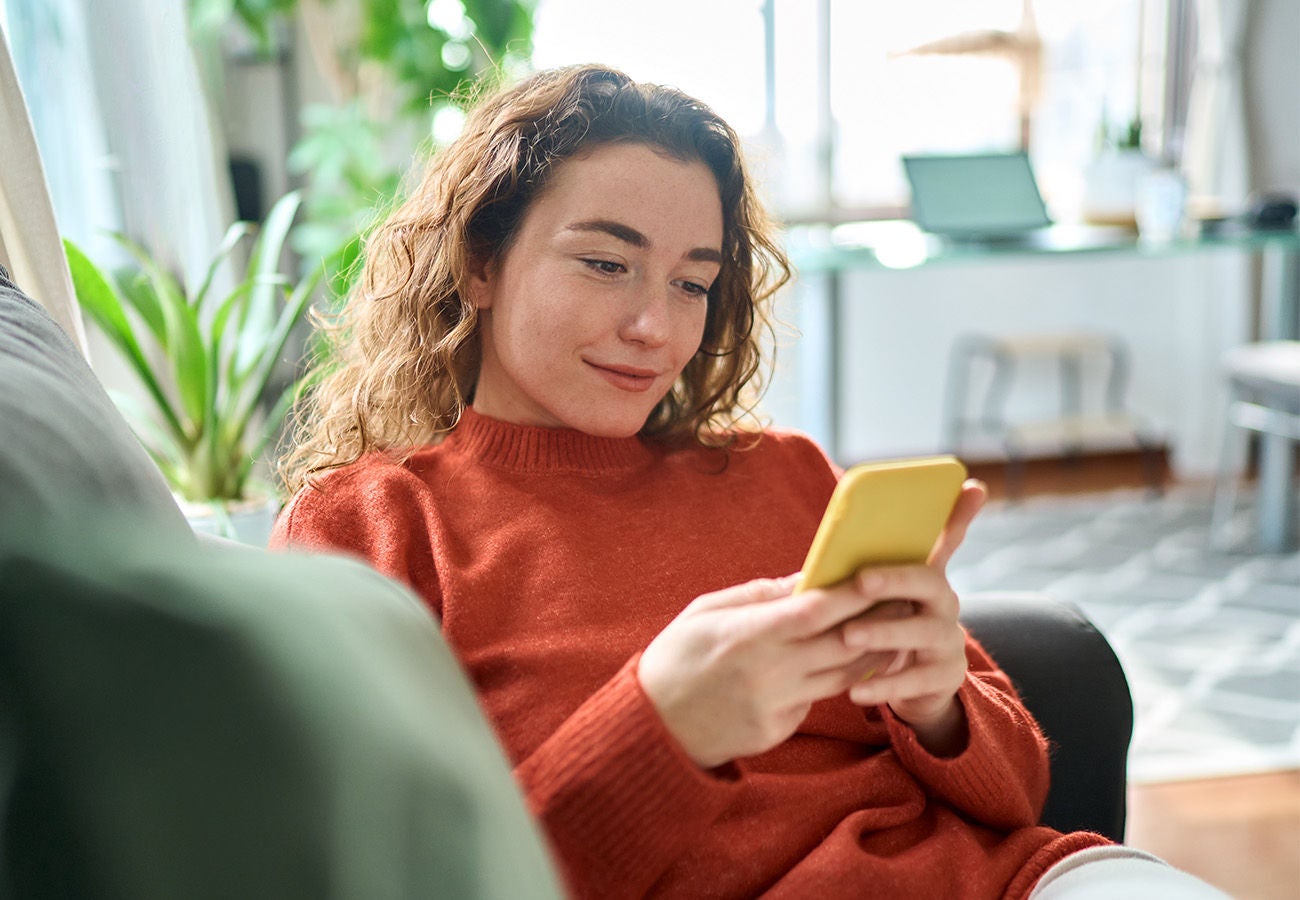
(531, 448)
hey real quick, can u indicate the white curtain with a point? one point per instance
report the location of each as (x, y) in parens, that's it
(124, 127)
(1216, 156)
(29, 238)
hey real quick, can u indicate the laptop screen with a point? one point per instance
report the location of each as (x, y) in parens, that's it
(986, 195)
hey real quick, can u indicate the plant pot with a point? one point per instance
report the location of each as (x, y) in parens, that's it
(247, 521)
(1110, 189)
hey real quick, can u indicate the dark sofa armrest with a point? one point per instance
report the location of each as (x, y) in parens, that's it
(1070, 679)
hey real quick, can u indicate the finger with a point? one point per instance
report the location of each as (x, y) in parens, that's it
(969, 502)
(921, 584)
(828, 684)
(821, 653)
(815, 611)
(833, 682)
(760, 590)
(914, 682)
(886, 610)
(921, 633)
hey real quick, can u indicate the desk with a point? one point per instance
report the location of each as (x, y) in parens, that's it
(826, 252)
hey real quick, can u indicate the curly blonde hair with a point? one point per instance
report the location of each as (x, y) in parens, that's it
(402, 356)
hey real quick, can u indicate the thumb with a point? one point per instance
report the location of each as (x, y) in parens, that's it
(969, 502)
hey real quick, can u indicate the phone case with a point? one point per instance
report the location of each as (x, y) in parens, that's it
(886, 513)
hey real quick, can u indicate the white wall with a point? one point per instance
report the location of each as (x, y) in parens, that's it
(1272, 78)
(1176, 315)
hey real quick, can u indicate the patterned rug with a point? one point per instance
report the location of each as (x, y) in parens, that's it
(1209, 639)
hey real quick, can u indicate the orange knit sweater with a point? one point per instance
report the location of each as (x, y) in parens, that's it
(553, 558)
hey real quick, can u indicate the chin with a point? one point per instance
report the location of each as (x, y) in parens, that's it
(610, 425)
(607, 429)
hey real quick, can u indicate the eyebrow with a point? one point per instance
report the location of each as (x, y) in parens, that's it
(630, 235)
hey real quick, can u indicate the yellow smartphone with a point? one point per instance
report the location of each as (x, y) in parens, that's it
(883, 513)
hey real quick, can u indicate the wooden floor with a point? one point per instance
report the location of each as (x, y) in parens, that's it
(1240, 834)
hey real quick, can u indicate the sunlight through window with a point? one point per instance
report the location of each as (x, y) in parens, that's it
(922, 76)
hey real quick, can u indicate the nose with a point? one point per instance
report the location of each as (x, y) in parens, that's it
(647, 321)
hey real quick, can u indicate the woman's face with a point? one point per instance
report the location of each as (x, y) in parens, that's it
(600, 301)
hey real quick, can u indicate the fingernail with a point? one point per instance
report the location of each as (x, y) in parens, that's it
(862, 694)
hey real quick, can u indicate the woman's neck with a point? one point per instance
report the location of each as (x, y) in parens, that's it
(545, 449)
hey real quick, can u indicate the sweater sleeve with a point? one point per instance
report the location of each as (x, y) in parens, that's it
(619, 798)
(1001, 777)
(375, 513)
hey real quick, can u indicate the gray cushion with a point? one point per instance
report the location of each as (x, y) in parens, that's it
(63, 444)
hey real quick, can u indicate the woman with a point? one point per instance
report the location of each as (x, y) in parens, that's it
(536, 425)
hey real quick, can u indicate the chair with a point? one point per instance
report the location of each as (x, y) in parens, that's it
(1070, 679)
(1263, 381)
(1074, 354)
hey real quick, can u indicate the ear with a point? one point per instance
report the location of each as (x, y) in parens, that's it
(480, 282)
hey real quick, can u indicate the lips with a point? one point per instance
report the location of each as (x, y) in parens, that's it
(626, 378)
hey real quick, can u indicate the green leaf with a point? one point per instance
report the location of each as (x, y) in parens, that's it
(98, 298)
(137, 290)
(258, 317)
(183, 341)
(217, 330)
(271, 427)
(217, 361)
(241, 410)
(233, 236)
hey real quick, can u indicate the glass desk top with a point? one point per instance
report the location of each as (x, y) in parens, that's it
(900, 244)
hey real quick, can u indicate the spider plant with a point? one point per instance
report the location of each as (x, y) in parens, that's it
(205, 361)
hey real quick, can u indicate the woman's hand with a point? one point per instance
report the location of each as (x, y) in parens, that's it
(921, 684)
(736, 672)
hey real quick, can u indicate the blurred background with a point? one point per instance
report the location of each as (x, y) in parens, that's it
(168, 120)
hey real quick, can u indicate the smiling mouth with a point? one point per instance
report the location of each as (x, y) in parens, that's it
(627, 378)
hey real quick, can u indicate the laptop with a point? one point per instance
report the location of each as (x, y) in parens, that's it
(981, 197)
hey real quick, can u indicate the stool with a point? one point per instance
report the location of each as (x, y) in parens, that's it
(1074, 428)
(1263, 397)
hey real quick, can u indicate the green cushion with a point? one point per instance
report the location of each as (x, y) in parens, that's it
(195, 719)
(192, 720)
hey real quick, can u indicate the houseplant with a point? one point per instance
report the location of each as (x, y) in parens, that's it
(386, 70)
(1112, 179)
(205, 363)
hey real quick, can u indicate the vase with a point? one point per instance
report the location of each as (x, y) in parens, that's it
(1110, 187)
(1161, 205)
(247, 521)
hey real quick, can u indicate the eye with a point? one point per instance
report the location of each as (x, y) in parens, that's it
(605, 266)
(694, 288)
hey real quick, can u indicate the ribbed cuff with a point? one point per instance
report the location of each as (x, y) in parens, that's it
(991, 778)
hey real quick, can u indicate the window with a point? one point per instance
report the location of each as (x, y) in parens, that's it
(939, 76)
(851, 90)
(711, 50)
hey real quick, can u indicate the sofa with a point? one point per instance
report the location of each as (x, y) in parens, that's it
(183, 717)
